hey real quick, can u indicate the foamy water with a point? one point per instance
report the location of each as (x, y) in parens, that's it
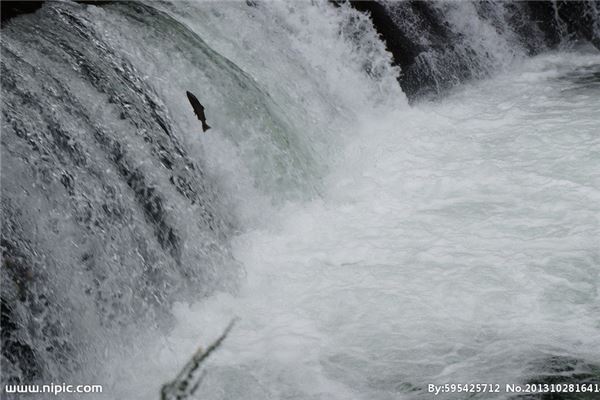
(456, 241)
(368, 247)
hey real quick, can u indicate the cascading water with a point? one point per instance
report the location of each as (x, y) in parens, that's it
(368, 247)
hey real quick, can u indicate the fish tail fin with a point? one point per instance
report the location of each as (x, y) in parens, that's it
(205, 126)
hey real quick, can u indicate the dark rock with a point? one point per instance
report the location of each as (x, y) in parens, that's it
(433, 57)
(561, 370)
(11, 9)
(397, 42)
(581, 19)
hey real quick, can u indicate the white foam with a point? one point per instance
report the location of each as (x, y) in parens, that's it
(452, 242)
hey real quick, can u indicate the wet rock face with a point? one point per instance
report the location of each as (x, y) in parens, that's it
(567, 20)
(434, 51)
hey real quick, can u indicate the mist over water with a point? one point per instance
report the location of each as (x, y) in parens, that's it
(368, 247)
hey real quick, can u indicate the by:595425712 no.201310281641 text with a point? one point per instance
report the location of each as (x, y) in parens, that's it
(514, 388)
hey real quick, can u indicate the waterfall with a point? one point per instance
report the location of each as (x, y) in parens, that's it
(392, 194)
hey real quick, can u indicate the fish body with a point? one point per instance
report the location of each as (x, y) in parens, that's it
(198, 110)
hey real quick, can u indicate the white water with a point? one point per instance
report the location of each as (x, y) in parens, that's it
(453, 242)
(448, 242)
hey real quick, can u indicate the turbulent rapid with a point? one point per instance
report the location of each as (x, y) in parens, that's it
(368, 243)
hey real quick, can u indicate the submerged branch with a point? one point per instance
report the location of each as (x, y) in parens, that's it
(187, 381)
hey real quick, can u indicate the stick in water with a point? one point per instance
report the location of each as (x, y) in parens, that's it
(186, 383)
